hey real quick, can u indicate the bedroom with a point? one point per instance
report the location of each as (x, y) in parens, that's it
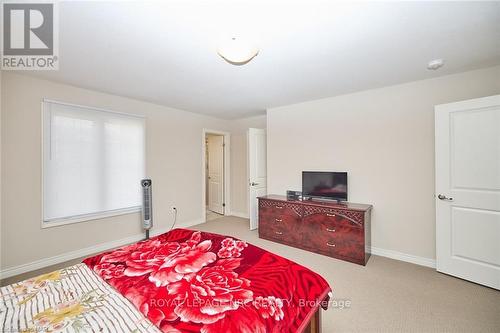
(350, 87)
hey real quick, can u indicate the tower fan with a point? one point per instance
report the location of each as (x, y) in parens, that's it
(147, 205)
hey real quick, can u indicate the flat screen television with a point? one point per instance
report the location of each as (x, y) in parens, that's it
(327, 185)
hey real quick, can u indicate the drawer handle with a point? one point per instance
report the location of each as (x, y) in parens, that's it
(330, 215)
(330, 244)
(278, 232)
(279, 220)
(330, 230)
(279, 207)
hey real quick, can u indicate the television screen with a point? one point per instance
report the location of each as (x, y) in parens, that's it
(332, 185)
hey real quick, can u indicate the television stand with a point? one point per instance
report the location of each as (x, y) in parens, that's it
(340, 231)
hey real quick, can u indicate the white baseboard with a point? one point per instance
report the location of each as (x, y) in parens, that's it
(37, 264)
(404, 257)
(41, 263)
(239, 214)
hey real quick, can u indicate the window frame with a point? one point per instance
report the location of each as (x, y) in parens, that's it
(89, 216)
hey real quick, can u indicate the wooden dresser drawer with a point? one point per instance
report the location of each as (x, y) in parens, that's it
(286, 230)
(336, 216)
(279, 209)
(275, 233)
(345, 243)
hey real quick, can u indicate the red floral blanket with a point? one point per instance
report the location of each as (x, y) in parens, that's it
(192, 281)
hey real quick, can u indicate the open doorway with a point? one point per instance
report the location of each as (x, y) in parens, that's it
(215, 174)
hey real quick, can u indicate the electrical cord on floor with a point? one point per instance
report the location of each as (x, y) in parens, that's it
(175, 218)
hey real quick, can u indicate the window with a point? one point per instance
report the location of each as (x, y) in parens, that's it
(93, 163)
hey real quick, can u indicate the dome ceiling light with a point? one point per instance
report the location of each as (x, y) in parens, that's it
(237, 51)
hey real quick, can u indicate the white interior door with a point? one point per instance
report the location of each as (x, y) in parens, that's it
(257, 171)
(216, 173)
(468, 190)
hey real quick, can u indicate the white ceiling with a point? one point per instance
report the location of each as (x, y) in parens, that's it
(165, 52)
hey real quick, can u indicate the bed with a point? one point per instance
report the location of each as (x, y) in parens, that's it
(180, 281)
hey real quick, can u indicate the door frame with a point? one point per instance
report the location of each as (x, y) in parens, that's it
(226, 171)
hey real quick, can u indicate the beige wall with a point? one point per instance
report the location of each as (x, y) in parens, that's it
(239, 177)
(175, 169)
(384, 138)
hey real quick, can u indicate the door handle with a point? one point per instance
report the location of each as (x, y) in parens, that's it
(254, 184)
(444, 197)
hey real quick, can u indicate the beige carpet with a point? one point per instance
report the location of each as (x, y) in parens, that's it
(385, 296)
(209, 215)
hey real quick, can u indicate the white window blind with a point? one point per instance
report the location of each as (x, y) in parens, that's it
(93, 162)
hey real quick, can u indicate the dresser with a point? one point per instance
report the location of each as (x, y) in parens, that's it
(338, 230)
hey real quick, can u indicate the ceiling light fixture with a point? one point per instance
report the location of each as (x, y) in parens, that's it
(237, 51)
(435, 64)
